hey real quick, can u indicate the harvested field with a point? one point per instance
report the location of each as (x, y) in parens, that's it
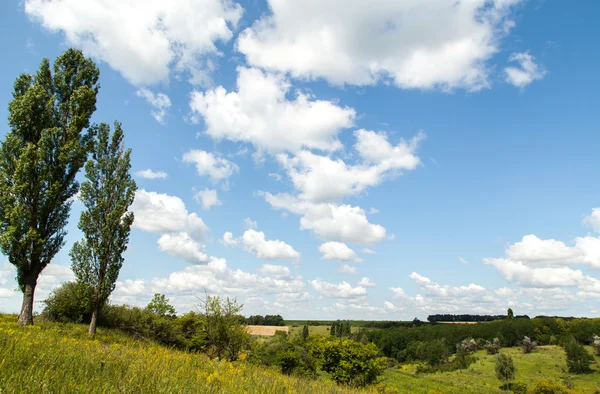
(266, 331)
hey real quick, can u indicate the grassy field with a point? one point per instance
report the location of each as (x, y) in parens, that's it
(546, 362)
(56, 358)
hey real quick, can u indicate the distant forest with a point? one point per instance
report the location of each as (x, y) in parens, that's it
(469, 318)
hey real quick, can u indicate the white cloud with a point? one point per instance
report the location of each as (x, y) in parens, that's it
(337, 290)
(593, 220)
(208, 164)
(250, 224)
(259, 113)
(143, 39)
(516, 271)
(390, 307)
(151, 174)
(311, 174)
(528, 71)
(182, 233)
(338, 251)
(366, 282)
(437, 290)
(182, 246)
(346, 269)
(463, 260)
(368, 251)
(343, 223)
(255, 242)
(416, 45)
(276, 271)
(159, 101)
(228, 239)
(534, 250)
(207, 198)
(398, 292)
(161, 213)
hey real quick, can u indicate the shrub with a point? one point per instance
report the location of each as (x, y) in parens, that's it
(578, 359)
(548, 386)
(596, 344)
(69, 303)
(505, 368)
(436, 352)
(467, 346)
(528, 345)
(518, 387)
(492, 347)
(350, 362)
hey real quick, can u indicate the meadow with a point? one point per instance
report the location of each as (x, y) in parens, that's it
(61, 358)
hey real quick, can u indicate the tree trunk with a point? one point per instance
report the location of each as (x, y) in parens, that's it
(26, 316)
(93, 322)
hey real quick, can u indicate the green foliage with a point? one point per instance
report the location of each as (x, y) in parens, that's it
(492, 347)
(267, 320)
(69, 303)
(518, 387)
(40, 157)
(527, 345)
(578, 358)
(106, 223)
(548, 386)
(510, 314)
(596, 344)
(160, 306)
(436, 352)
(340, 329)
(504, 368)
(350, 362)
(305, 332)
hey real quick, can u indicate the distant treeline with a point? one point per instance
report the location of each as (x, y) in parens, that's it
(469, 318)
(267, 320)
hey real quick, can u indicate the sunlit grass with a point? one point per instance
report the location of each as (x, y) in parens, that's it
(57, 358)
(546, 362)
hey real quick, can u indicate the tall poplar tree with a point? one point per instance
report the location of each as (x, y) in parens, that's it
(106, 223)
(47, 144)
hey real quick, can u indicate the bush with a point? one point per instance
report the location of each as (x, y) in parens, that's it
(350, 362)
(69, 303)
(528, 345)
(548, 386)
(596, 344)
(492, 347)
(505, 368)
(436, 352)
(518, 387)
(467, 346)
(578, 359)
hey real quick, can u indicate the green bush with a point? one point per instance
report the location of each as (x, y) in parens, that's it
(69, 303)
(518, 387)
(548, 386)
(578, 359)
(505, 368)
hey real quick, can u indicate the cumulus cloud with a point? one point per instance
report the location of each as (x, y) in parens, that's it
(593, 220)
(311, 173)
(182, 233)
(435, 289)
(337, 290)
(527, 72)
(368, 251)
(229, 240)
(439, 44)
(342, 223)
(151, 174)
(338, 251)
(517, 271)
(255, 242)
(250, 224)
(143, 39)
(346, 269)
(276, 271)
(366, 282)
(260, 113)
(159, 101)
(207, 198)
(209, 164)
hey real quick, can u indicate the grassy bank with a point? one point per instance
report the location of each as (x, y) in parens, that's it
(545, 362)
(60, 358)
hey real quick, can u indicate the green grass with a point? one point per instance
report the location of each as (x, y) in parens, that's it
(61, 358)
(546, 362)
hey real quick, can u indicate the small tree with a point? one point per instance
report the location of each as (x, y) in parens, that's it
(578, 359)
(596, 344)
(106, 223)
(509, 314)
(224, 333)
(528, 345)
(69, 303)
(160, 306)
(505, 368)
(350, 362)
(548, 386)
(492, 347)
(305, 332)
(47, 144)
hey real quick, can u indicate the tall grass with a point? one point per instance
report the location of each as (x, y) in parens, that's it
(61, 358)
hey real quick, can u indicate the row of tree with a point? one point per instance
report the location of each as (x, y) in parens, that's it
(49, 141)
(267, 320)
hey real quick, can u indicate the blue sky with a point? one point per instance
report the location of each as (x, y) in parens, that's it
(376, 160)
